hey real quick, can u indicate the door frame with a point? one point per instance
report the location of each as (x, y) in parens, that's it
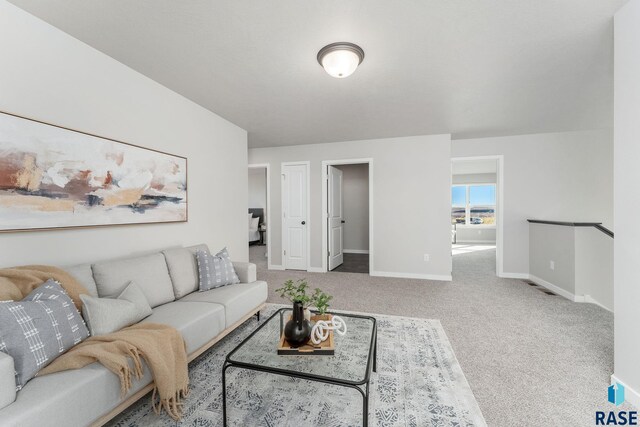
(499, 202)
(307, 165)
(266, 166)
(325, 206)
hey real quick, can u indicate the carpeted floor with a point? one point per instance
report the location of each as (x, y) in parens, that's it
(531, 359)
(416, 364)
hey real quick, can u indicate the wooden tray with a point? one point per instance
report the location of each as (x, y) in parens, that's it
(325, 348)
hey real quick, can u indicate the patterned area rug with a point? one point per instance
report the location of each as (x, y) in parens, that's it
(419, 383)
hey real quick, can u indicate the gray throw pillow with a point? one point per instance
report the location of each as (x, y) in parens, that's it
(39, 328)
(106, 315)
(215, 270)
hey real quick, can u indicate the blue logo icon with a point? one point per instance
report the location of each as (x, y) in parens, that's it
(616, 394)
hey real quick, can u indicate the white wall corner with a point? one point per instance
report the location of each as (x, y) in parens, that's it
(631, 396)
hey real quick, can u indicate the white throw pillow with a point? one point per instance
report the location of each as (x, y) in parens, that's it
(250, 219)
(254, 223)
(106, 315)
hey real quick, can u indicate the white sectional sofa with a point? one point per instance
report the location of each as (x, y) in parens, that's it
(169, 280)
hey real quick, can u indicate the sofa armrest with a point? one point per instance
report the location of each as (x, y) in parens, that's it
(246, 271)
(7, 380)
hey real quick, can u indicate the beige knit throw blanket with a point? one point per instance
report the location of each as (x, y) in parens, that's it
(161, 346)
(17, 282)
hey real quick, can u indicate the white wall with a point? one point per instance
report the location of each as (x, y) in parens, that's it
(563, 176)
(405, 226)
(594, 266)
(50, 76)
(355, 195)
(475, 234)
(258, 189)
(583, 262)
(627, 202)
(557, 244)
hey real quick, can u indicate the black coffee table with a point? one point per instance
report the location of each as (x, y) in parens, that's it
(350, 366)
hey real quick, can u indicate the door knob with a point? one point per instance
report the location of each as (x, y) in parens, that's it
(343, 221)
(303, 222)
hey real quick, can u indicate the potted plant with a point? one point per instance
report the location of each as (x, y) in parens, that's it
(297, 292)
(298, 329)
(320, 300)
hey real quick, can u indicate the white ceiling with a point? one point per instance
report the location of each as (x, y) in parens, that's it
(470, 68)
(469, 167)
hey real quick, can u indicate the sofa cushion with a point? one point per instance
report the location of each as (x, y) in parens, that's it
(149, 272)
(70, 398)
(38, 329)
(215, 270)
(106, 315)
(238, 299)
(198, 323)
(246, 271)
(183, 269)
(84, 274)
(7, 380)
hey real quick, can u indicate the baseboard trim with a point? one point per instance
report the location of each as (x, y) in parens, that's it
(472, 242)
(590, 299)
(554, 288)
(523, 276)
(447, 278)
(316, 270)
(566, 294)
(275, 267)
(630, 395)
(355, 251)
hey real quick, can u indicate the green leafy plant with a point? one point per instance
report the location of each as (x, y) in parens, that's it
(297, 292)
(321, 300)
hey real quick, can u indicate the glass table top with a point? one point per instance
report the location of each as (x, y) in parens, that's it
(350, 363)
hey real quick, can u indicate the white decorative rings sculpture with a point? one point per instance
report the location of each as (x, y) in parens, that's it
(321, 329)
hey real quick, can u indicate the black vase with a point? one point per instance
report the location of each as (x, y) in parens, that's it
(297, 331)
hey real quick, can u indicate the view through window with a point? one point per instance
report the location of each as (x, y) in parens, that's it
(473, 204)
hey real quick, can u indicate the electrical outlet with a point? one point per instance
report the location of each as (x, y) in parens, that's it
(552, 265)
(426, 257)
(479, 231)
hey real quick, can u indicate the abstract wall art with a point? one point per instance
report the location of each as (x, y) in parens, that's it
(53, 177)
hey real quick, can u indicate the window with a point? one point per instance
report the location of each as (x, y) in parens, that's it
(473, 204)
(459, 204)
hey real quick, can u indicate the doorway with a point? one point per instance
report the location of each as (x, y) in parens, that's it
(476, 213)
(258, 210)
(295, 215)
(347, 216)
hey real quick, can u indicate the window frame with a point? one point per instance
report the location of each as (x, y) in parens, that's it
(468, 205)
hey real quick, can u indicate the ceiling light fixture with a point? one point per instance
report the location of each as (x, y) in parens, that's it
(340, 59)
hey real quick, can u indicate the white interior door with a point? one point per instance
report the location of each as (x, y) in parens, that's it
(335, 218)
(294, 216)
